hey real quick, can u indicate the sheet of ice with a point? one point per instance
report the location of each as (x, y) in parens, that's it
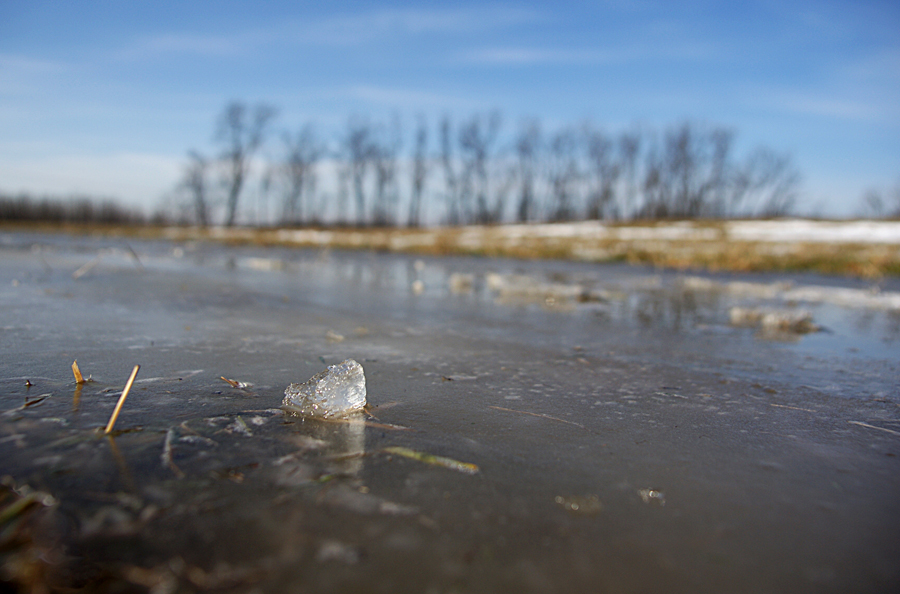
(335, 392)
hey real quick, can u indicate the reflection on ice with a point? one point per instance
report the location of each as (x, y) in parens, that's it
(341, 444)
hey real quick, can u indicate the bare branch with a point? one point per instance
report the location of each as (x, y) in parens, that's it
(241, 134)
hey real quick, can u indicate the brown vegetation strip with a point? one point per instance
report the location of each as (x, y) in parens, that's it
(712, 250)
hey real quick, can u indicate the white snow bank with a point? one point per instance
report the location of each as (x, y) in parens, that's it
(801, 231)
(781, 231)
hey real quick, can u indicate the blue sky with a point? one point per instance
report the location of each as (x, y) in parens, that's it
(107, 97)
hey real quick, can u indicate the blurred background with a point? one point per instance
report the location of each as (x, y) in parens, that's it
(403, 113)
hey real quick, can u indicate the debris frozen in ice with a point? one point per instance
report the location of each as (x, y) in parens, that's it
(773, 320)
(744, 316)
(582, 506)
(461, 283)
(799, 322)
(450, 463)
(652, 496)
(345, 497)
(337, 391)
(517, 289)
(239, 427)
(333, 550)
(235, 383)
(333, 336)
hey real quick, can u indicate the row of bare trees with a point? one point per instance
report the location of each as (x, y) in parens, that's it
(473, 171)
(24, 207)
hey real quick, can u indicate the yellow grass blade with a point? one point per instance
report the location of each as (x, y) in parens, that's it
(115, 415)
(79, 379)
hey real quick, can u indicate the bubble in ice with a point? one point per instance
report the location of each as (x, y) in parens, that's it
(335, 392)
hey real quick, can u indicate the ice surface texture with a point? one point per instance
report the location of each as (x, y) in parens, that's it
(335, 392)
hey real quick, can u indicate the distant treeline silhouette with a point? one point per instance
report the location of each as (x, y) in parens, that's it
(75, 209)
(474, 171)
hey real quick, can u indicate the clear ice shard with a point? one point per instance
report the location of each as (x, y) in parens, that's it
(335, 392)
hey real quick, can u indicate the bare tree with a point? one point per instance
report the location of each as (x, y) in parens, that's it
(652, 184)
(265, 187)
(679, 167)
(883, 204)
(605, 172)
(629, 149)
(714, 178)
(528, 144)
(451, 177)
(419, 173)
(358, 146)
(689, 177)
(194, 183)
(476, 138)
(563, 174)
(345, 174)
(302, 152)
(506, 176)
(384, 150)
(242, 133)
(873, 204)
(765, 185)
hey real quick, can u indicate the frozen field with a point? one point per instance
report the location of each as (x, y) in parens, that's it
(576, 426)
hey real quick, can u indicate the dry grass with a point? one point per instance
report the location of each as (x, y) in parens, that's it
(704, 245)
(118, 409)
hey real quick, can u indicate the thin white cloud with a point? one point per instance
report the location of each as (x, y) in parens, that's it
(418, 21)
(21, 74)
(9, 62)
(348, 29)
(813, 104)
(521, 56)
(412, 98)
(881, 67)
(531, 56)
(206, 45)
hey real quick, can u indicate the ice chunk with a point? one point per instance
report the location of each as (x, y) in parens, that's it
(335, 392)
(773, 320)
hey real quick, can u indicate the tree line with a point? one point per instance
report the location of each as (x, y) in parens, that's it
(24, 207)
(473, 171)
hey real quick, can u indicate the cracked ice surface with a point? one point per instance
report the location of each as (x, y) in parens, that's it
(337, 391)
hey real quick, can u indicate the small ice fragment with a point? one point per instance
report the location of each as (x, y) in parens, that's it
(332, 550)
(337, 391)
(799, 322)
(744, 316)
(773, 320)
(582, 506)
(652, 496)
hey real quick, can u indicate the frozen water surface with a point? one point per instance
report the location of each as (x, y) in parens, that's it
(629, 437)
(337, 391)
